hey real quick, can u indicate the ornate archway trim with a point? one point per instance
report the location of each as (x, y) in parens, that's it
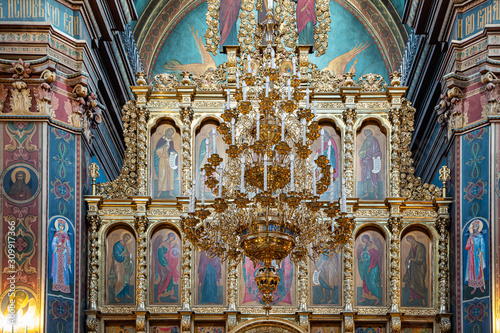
(279, 325)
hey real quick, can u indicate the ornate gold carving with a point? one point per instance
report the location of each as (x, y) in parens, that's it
(163, 104)
(411, 186)
(187, 118)
(348, 282)
(371, 213)
(349, 324)
(303, 288)
(232, 284)
(232, 322)
(186, 323)
(20, 98)
(164, 212)
(140, 324)
(207, 104)
(164, 82)
(141, 225)
(396, 324)
(93, 246)
(378, 311)
(186, 275)
(373, 105)
(325, 81)
(442, 225)
(212, 80)
(132, 179)
(247, 26)
(423, 213)
(445, 325)
(92, 324)
(128, 310)
(3, 96)
(285, 14)
(372, 83)
(349, 116)
(46, 101)
(123, 211)
(395, 226)
(323, 27)
(395, 115)
(212, 36)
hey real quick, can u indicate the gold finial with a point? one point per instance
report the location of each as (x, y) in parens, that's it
(444, 176)
(186, 80)
(396, 79)
(94, 174)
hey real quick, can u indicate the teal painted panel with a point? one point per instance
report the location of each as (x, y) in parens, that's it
(62, 18)
(351, 48)
(474, 20)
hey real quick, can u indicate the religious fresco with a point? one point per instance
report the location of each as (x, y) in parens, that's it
(331, 149)
(326, 277)
(120, 328)
(61, 255)
(355, 50)
(416, 263)
(25, 307)
(249, 294)
(210, 280)
(164, 328)
(370, 268)
(475, 228)
(120, 267)
(326, 327)
(207, 142)
(165, 267)
(209, 327)
(165, 159)
(21, 183)
(371, 163)
(367, 328)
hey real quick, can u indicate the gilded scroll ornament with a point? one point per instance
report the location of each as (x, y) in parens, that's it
(395, 324)
(247, 26)
(372, 83)
(395, 115)
(20, 98)
(442, 225)
(141, 225)
(395, 226)
(142, 163)
(212, 36)
(164, 82)
(94, 222)
(349, 116)
(285, 13)
(348, 282)
(303, 276)
(323, 27)
(92, 324)
(3, 96)
(187, 118)
(187, 250)
(232, 284)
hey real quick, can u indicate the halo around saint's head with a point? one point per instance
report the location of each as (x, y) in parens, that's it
(61, 221)
(27, 175)
(477, 222)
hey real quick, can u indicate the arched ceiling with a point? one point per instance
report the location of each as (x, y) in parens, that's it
(381, 19)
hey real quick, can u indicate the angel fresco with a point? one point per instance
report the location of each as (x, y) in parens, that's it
(166, 253)
(330, 151)
(338, 65)
(198, 69)
(369, 254)
(166, 164)
(209, 279)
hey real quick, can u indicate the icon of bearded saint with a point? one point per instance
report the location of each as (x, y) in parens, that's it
(20, 190)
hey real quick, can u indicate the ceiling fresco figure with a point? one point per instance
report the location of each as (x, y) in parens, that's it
(198, 69)
(306, 20)
(229, 10)
(337, 66)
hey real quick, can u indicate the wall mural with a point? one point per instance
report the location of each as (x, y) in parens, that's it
(475, 236)
(120, 270)
(210, 280)
(331, 149)
(20, 227)
(370, 163)
(209, 328)
(165, 267)
(416, 328)
(326, 327)
(204, 147)
(370, 268)
(326, 277)
(165, 159)
(354, 51)
(375, 328)
(416, 250)
(165, 328)
(120, 328)
(284, 294)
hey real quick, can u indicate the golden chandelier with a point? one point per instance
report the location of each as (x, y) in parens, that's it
(267, 191)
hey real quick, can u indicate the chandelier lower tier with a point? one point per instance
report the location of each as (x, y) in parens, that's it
(267, 190)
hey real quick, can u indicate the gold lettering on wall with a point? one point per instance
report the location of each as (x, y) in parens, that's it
(53, 14)
(469, 24)
(24, 9)
(1, 10)
(71, 24)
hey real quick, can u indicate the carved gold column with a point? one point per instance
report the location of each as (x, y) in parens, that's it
(232, 294)
(187, 118)
(348, 286)
(442, 225)
(349, 116)
(186, 321)
(395, 226)
(142, 164)
(304, 51)
(232, 52)
(94, 223)
(395, 177)
(141, 224)
(187, 250)
(303, 277)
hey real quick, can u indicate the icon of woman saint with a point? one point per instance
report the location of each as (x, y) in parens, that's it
(61, 258)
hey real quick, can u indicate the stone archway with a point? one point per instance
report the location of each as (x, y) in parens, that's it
(269, 325)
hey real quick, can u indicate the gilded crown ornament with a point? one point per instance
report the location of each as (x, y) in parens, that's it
(268, 189)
